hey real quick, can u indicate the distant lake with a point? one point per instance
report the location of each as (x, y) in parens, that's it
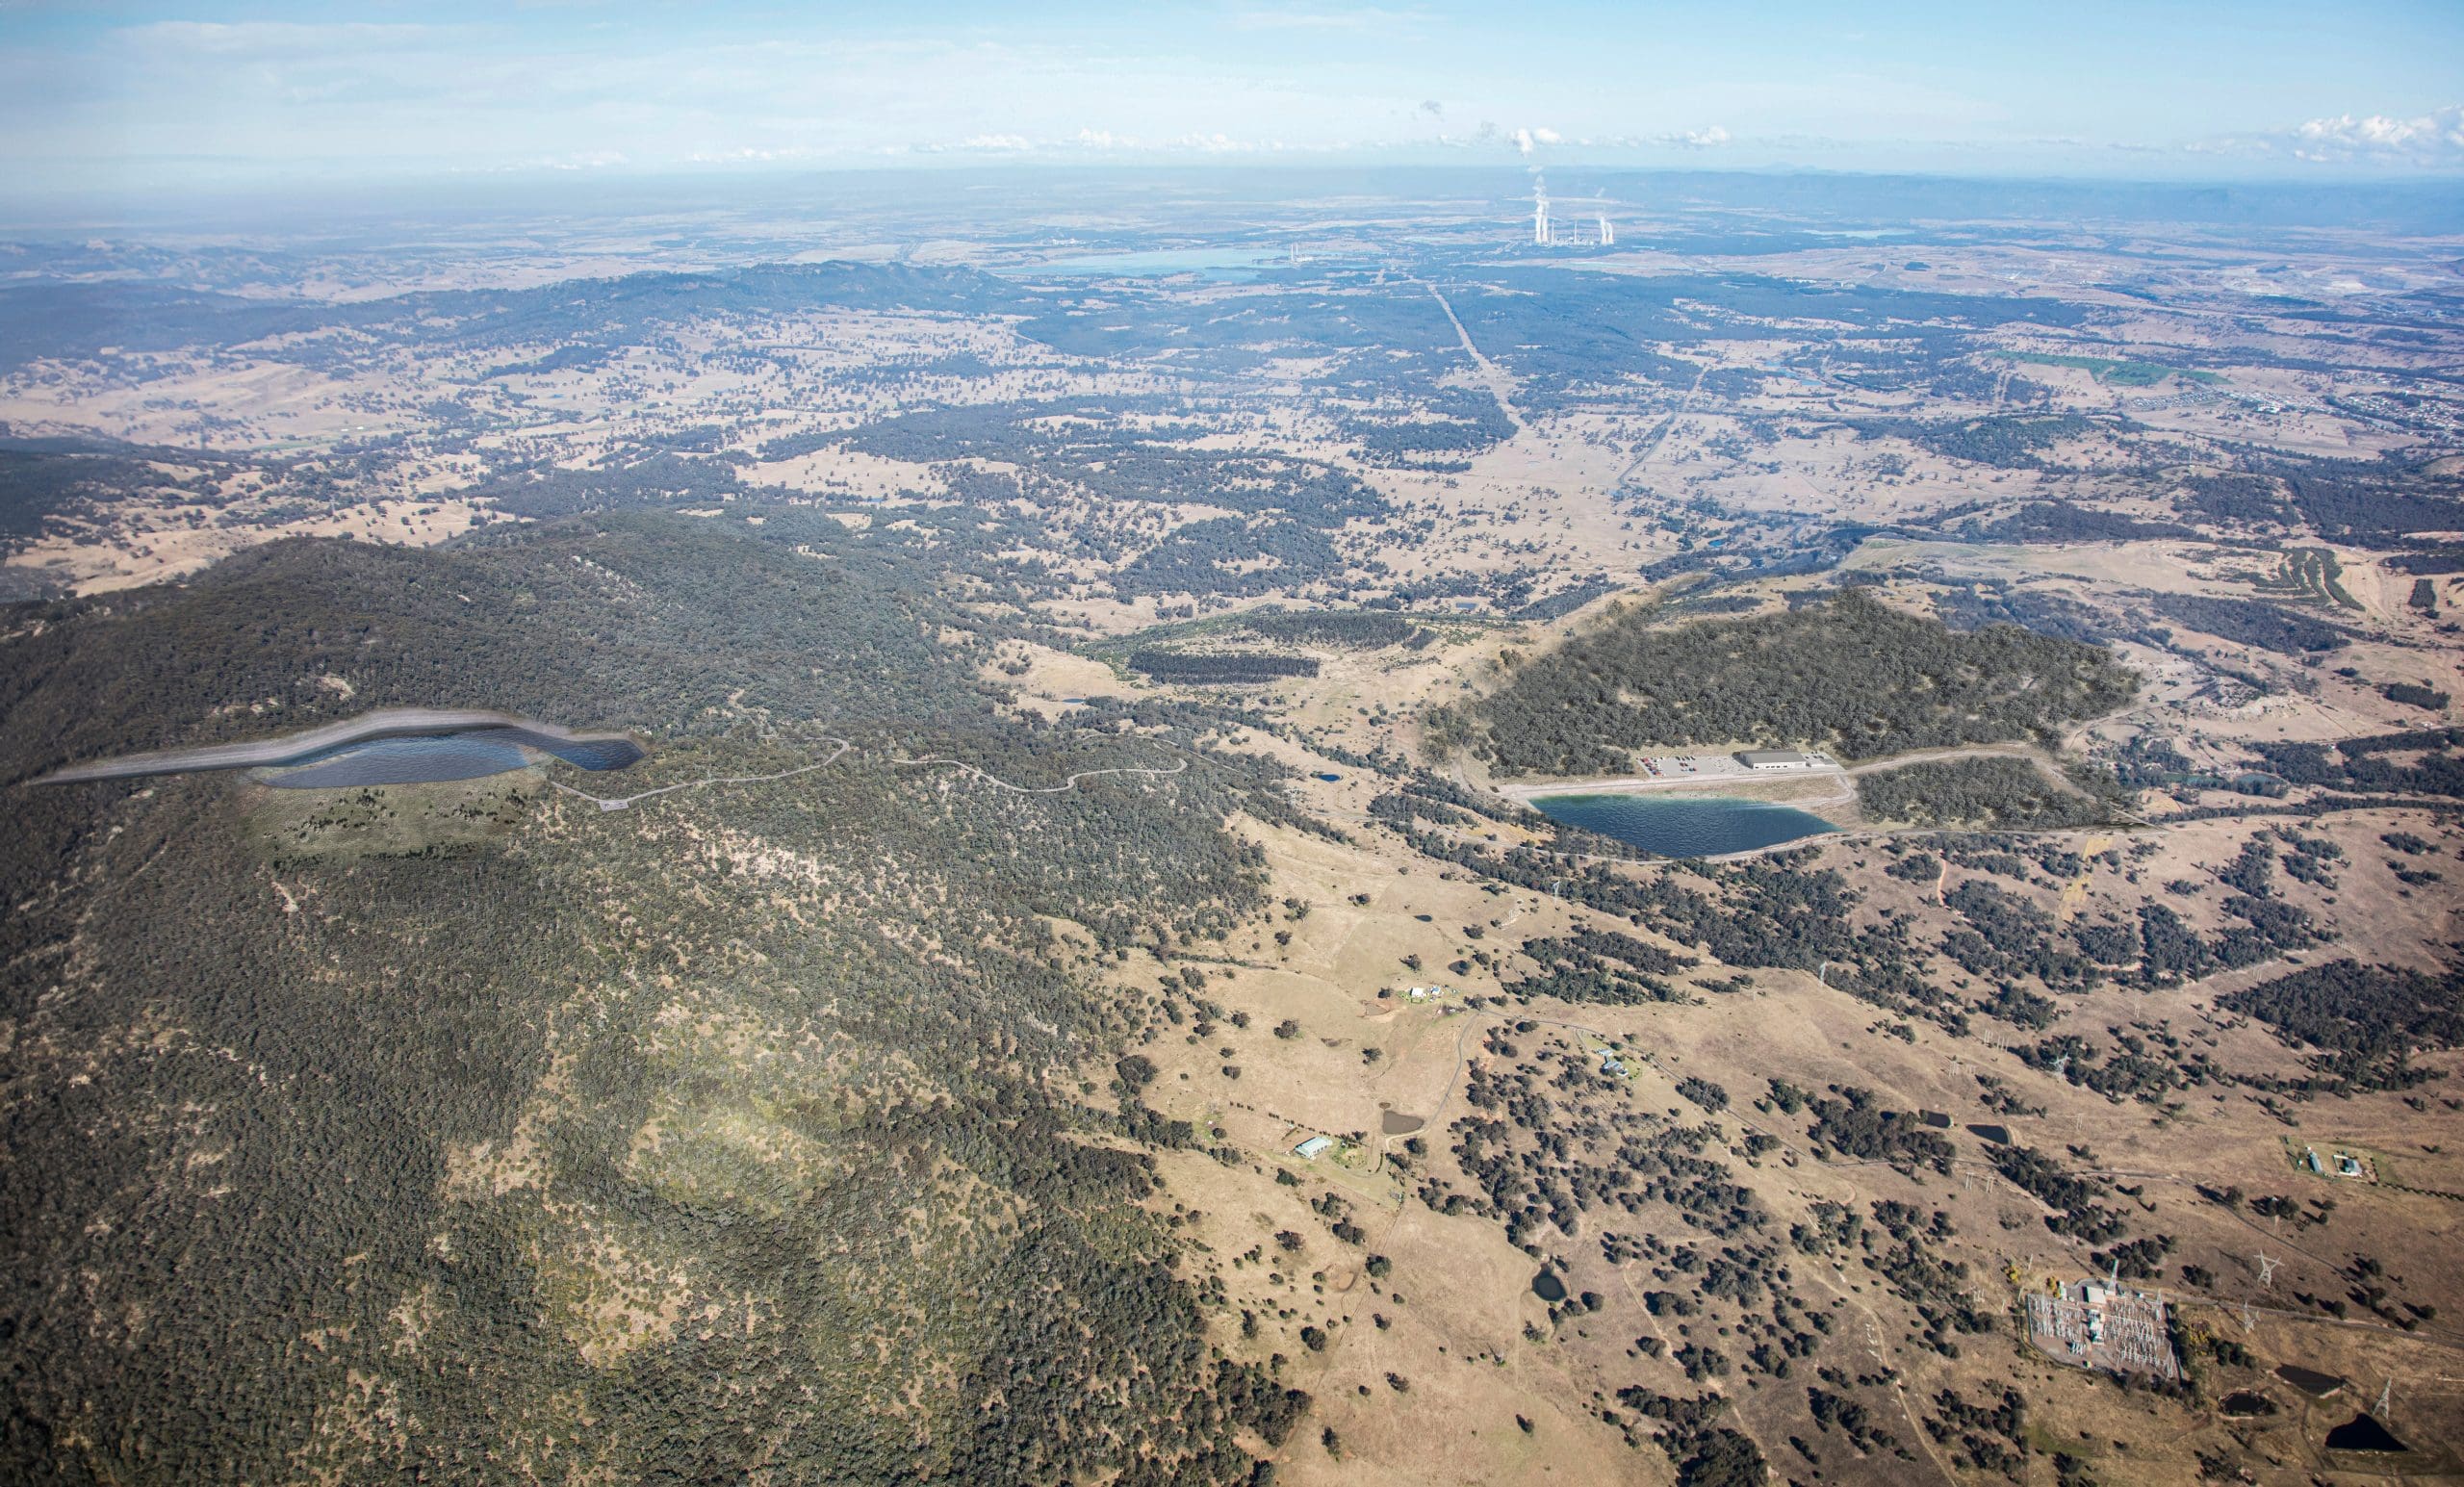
(1691, 826)
(1232, 264)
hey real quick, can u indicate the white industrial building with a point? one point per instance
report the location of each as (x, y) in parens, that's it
(1779, 759)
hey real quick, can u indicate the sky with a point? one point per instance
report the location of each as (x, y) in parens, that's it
(100, 96)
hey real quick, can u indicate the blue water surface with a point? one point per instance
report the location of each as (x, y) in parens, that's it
(1689, 827)
(592, 754)
(401, 761)
(470, 755)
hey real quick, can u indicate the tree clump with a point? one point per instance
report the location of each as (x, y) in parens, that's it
(1852, 675)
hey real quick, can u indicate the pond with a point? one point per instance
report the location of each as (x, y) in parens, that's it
(1548, 1287)
(2364, 1433)
(1689, 826)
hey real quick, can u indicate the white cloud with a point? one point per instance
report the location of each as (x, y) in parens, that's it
(2432, 139)
(1212, 144)
(1698, 139)
(1526, 139)
(2427, 141)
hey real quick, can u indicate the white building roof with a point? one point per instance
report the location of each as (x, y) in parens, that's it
(1755, 758)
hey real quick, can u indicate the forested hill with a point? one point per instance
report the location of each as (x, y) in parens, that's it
(567, 1146)
(1852, 675)
(636, 619)
(79, 319)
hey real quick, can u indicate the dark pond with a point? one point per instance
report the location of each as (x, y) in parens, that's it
(2362, 1433)
(1394, 1122)
(1693, 826)
(2242, 1403)
(1548, 1287)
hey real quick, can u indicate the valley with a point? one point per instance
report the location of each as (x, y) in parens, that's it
(1109, 692)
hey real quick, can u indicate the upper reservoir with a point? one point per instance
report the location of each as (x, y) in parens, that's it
(469, 755)
(400, 761)
(1695, 827)
(390, 746)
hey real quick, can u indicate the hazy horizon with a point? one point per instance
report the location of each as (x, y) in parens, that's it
(138, 99)
(297, 210)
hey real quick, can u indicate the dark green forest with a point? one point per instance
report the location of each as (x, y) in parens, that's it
(1851, 674)
(242, 1240)
(2360, 1023)
(2007, 794)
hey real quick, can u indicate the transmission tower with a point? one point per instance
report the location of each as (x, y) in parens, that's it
(2267, 1270)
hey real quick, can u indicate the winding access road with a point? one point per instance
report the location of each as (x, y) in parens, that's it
(995, 781)
(626, 802)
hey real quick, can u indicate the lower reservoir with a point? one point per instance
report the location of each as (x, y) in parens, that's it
(1689, 826)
